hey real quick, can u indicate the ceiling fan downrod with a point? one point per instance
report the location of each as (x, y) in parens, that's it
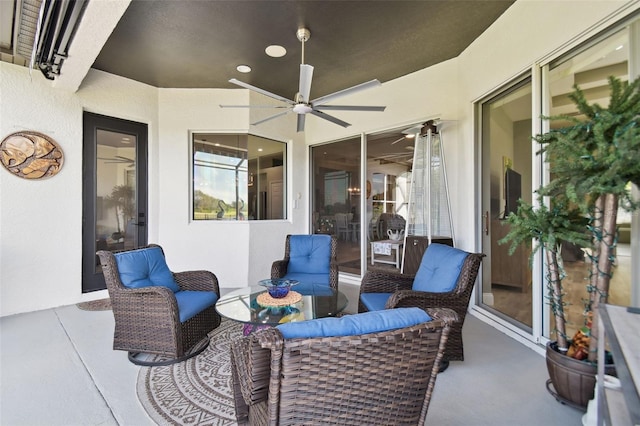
(303, 35)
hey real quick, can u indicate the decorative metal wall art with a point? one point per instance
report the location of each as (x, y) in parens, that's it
(31, 155)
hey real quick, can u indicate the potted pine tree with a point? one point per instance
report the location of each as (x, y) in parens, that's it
(592, 161)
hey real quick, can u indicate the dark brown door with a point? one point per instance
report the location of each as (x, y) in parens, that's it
(114, 191)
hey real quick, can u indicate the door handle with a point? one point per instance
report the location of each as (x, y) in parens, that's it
(486, 222)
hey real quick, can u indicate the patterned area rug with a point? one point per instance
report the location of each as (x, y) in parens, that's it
(196, 391)
(95, 305)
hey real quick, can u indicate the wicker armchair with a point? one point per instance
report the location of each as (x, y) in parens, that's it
(401, 295)
(147, 319)
(380, 378)
(280, 268)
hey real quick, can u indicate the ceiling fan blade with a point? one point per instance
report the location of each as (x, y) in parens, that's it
(395, 142)
(271, 117)
(330, 118)
(261, 91)
(301, 122)
(349, 91)
(255, 106)
(349, 108)
(306, 74)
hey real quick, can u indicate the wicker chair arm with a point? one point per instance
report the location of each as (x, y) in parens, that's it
(252, 367)
(279, 268)
(421, 299)
(252, 363)
(271, 339)
(197, 281)
(237, 377)
(378, 281)
(333, 275)
(133, 301)
(446, 315)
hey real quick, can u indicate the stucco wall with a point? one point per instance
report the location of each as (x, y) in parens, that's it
(39, 220)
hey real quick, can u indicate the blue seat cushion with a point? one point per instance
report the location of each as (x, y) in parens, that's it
(145, 267)
(310, 254)
(307, 288)
(374, 301)
(352, 325)
(191, 302)
(308, 282)
(439, 269)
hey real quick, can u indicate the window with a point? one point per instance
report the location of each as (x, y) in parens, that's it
(238, 177)
(383, 194)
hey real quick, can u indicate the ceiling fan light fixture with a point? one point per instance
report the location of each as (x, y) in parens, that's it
(275, 51)
(302, 108)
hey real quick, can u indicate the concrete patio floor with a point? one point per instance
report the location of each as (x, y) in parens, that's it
(57, 367)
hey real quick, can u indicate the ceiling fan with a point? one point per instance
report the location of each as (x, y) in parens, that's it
(301, 105)
(118, 159)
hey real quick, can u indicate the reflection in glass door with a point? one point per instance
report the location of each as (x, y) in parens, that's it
(114, 191)
(336, 202)
(589, 68)
(360, 199)
(507, 177)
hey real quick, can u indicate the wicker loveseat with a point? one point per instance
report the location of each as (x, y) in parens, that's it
(386, 289)
(157, 311)
(290, 375)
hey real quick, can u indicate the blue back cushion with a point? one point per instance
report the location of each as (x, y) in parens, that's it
(352, 325)
(145, 267)
(439, 269)
(309, 254)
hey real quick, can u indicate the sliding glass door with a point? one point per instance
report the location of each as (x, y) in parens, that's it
(589, 67)
(513, 289)
(506, 177)
(336, 198)
(361, 208)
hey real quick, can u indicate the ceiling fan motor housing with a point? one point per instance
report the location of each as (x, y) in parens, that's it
(302, 108)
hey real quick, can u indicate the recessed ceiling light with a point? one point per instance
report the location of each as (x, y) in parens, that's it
(275, 51)
(259, 149)
(244, 68)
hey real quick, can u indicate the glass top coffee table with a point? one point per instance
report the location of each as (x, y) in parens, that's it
(318, 302)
